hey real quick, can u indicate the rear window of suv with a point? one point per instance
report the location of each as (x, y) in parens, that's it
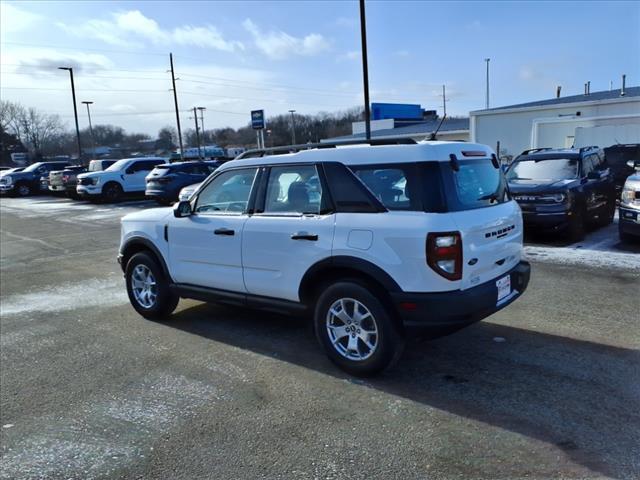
(476, 184)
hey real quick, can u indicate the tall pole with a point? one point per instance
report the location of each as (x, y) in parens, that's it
(175, 101)
(93, 143)
(444, 102)
(195, 117)
(293, 127)
(204, 133)
(365, 71)
(487, 95)
(75, 109)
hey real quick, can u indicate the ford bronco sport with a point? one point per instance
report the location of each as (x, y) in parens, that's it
(371, 240)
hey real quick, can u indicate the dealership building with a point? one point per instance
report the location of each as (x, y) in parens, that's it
(599, 118)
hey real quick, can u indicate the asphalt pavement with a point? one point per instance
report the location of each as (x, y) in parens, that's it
(547, 388)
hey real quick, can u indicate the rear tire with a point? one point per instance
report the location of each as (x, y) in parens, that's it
(356, 330)
(609, 213)
(624, 236)
(148, 287)
(111, 192)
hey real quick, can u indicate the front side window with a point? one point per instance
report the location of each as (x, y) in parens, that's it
(293, 189)
(550, 169)
(228, 193)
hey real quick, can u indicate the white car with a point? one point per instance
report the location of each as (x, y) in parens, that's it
(186, 192)
(126, 176)
(372, 241)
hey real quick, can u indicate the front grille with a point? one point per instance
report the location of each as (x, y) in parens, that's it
(85, 181)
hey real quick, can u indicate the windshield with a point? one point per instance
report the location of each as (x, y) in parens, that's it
(119, 165)
(549, 170)
(32, 167)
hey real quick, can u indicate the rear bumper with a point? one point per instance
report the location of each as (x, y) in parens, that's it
(161, 194)
(5, 189)
(57, 188)
(629, 221)
(459, 307)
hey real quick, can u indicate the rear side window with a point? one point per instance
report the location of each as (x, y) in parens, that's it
(349, 195)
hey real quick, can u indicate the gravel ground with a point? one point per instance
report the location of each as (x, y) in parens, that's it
(547, 388)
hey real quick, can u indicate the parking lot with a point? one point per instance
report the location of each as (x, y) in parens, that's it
(547, 388)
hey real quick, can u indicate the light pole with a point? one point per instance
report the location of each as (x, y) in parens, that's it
(75, 109)
(487, 95)
(195, 117)
(365, 71)
(204, 133)
(293, 127)
(93, 143)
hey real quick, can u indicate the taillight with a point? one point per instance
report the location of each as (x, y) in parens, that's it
(65, 178)
(444, 254)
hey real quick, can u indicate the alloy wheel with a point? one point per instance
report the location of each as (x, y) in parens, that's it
(144, 286)
(352, 329)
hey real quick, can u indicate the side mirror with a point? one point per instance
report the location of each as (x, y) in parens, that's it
(129, 171)
(634, 164)
(182, 209)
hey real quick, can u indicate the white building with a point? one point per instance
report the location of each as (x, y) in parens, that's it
(598, 118)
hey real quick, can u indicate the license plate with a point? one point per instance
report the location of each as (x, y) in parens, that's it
(504, 287)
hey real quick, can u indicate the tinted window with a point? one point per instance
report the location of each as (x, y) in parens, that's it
(293, 189)
(587, 165)
(228, 193)
(349, 195)
(544, 170)
(396, 186)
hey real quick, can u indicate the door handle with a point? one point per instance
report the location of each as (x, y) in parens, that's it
(224, 231)
(304, 236)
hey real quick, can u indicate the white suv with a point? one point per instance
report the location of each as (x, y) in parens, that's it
(124, 176)
(371, 240)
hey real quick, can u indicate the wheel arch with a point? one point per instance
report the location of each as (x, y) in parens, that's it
(346, 267)
(140, 244)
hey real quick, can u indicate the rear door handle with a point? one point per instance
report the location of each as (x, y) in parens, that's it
(224, 231)
(304, 236)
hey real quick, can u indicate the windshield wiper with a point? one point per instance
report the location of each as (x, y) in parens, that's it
(492, 196)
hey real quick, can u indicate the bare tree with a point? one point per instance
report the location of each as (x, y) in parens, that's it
(38, 129)
(10, 117)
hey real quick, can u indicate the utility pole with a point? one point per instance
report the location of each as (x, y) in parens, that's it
(195, 117)
(75, 109)
(444, 102)
(293, 127)
(175, 101)
(365, 71)
(93, 143)
(204, 133)
(487, 95)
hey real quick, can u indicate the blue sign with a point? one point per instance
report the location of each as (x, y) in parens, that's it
(257, 119)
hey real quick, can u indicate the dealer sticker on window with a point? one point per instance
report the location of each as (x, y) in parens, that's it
(504, 287)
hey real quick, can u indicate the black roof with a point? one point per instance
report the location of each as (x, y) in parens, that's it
(594, 96)
(551, 153)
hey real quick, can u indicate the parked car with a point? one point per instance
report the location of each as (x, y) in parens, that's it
(372, 241)
(563, 189)
(29, 180)
(70, 177)
(165, 181)
(629, 213)
(11, 170)
(125, 176)
(56, 182)
(100, 165)
(620, 159)
(188, 191)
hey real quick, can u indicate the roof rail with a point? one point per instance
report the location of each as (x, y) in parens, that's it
(586, 149)
(535, 150)
(261, 152)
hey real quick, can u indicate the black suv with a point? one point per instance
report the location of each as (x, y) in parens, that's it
(28, 181)
(165, 181)
(620, 159)
(563, 189)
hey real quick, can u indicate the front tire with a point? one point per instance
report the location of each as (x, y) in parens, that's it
(356, 330)
(111, 192)
(148, 287)
(576, 229)
(23, 190)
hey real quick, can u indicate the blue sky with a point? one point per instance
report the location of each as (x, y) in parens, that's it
(237, 56)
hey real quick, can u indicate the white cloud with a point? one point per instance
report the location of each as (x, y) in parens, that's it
(14, 19)
(131, 27)
(279, 45)
(351, 55)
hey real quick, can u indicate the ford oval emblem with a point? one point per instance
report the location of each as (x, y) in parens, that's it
(473, 261)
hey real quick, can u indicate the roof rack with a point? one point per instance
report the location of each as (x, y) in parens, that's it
(261, 152)
(535, 150)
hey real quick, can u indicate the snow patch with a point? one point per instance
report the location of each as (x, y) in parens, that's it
(585, 257)
(68, 296)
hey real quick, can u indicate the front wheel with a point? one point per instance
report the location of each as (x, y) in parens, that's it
(148, 287)
(576, 229)
(111, 192)
(23, 190)
(356, 329)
